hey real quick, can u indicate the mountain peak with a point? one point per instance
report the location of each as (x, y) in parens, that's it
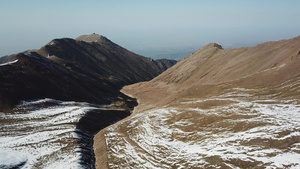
(92, 38)
(212, 45)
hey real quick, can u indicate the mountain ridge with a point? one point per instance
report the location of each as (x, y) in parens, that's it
(211, 66)
(98, 69)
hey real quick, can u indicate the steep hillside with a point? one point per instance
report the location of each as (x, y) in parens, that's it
(98, 57)
(33, 77)
(265, 65)
(217, 108)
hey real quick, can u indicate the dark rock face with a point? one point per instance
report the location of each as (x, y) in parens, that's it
(66, 69)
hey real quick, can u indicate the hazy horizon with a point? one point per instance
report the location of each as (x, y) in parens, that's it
(139, 25)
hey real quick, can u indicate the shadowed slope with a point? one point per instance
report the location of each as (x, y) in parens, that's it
(98, 57)
(68, 69)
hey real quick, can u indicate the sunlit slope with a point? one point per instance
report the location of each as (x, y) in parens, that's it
(210, 69)
(217, 108)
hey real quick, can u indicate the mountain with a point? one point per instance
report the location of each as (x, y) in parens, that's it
(98, 57)
(55, 99)
(265, 65)
(217, 108)
(90, 68)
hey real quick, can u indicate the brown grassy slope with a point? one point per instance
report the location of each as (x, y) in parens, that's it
(211, 70)
(264, 72)
(271, 68)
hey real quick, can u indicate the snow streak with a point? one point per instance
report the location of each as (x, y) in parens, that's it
(242, 134)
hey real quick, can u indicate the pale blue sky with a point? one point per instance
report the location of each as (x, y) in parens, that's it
(137, 24)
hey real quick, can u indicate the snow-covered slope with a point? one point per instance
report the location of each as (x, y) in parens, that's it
(242, 134)
(45, 134)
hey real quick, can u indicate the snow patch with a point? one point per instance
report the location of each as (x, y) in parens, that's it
(11, 159)
(9, 63)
